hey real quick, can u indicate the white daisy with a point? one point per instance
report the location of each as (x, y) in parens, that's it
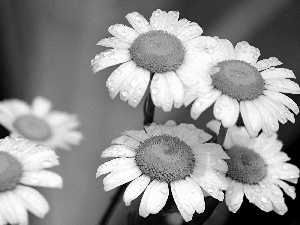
(241, 84)
(22, 164)
(39, 123)
(258, 169)
(162, 156)
(162, 48)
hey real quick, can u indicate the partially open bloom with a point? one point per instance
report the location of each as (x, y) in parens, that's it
(163, 47)
(240, 83)
(160, 156)
(23, 164)
(257, 169)
(40, 124)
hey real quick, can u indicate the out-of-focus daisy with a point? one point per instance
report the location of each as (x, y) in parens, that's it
(23, 164)
(163, 47)
(160, 156)
(240, 83)
(39, 123)
(258, 169)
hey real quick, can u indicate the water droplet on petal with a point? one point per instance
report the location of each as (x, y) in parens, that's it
(264, 199)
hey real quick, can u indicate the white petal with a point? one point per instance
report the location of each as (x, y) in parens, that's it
(143, 209)
(109, 58)
(251, 117)
(138, 22)
(280, 157)
(116, 79)
(18, 207)
(123, 32)
(237, 136)
(258, 196)
(283, 171)
(115, 165)
(234, 196)
(277, 73)
(120, 177)
(113, 42)
(158, 196)
(171, 20)
(277, 199)
(227, 110)
(210, 149)
(246, 52)
(140, 85)
(190, 32)
(289, 190)
(161, 93)
(282, 85)
(135, 188)
(184, 207)
(176, 88)
(267, 63)
(202, 103)
(126, 140)
(139, 135)
(179, 26)
(194, 194)
(288, 102)
(153, 130)
(33, 200)
(118, 151)
(42, 178)
(41, 106)
(11, 210)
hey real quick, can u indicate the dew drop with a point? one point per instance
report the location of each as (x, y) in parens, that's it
(210, 190)
(134, 83)
(264, 199)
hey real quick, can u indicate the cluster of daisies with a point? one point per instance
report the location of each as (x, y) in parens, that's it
(186, 68)
(36, 132)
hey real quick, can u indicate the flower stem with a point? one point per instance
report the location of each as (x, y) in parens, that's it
(210, 203)
(149, 109)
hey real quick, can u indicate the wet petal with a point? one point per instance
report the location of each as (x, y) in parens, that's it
(234, 196)
(161, 92)
(184, 208)
(115, 165)
(277, 73)
(258, 196)
(246, 52)
(176, 88)
(33, 200)
(288, 102)
(123, 32)
(267, 63)
(282, 85)
(194, 195)
(143, 209)
(109, 58)
(135, 188)
(203, 102)
(190, 32)
(158, 197)
(120, 177)
(171, 20)
(113, 42)
(42, 178)
(251, 117)
(138, 22)
(288, 189)
(118, 151)
(280, 157)
(158, 20)
(128, 141)
(283, 171)
(226, 109)
(139, 135)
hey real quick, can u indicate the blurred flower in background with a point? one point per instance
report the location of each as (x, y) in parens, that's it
(241, 84)
(39, 123)
(164, 155)
(258, 169)
(23, 164)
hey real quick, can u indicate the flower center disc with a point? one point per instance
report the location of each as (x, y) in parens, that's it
(165, 158)
(157, 51)
(32, 128)
(237, 79)
(10, 172)
(245, 165)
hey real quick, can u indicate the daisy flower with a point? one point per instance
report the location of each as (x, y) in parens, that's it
(257, 169)
(162, 48)
(162, 156)
(23, 164)
(241, 84)
(39, 123)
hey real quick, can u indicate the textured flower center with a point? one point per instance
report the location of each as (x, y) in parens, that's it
(165, 158)
(237, 79)
(10, 171)
(32, 128)
(157, 51)
(245, 165)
